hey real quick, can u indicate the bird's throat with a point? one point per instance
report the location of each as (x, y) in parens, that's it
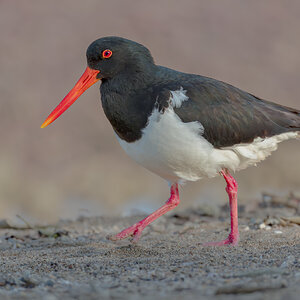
(126, 107)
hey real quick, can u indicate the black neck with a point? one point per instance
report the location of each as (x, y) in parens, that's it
(127, 102)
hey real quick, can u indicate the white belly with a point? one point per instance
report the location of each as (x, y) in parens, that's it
(177, 151)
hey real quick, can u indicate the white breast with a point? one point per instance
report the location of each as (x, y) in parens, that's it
(177, 151)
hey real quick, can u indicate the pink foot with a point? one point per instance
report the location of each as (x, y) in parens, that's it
(231, 190)
(136, 229)
(231, 240)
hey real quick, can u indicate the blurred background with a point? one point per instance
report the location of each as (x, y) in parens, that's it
(75, 166)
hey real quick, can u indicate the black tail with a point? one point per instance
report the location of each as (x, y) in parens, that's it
(286, 117)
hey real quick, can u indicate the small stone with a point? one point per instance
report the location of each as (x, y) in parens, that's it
(49, 283)
(28, 282)
(2, 281)
(262, 226)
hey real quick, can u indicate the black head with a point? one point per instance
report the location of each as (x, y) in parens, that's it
(115, 60)
(115, 55)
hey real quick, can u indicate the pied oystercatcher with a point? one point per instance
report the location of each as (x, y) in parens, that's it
(180, 126)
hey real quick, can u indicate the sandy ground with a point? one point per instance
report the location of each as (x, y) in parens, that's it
(74, 260)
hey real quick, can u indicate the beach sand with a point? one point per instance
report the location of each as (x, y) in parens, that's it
(74, 260)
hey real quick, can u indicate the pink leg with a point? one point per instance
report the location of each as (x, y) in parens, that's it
(231, 190)
(136, 229)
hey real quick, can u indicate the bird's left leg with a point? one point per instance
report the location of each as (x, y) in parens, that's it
(136, 229)
(231, 189)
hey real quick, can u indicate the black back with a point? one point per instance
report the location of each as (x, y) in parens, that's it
(132, 86)
(229, 115)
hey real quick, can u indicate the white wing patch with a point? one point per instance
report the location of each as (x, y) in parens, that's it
(177, 97)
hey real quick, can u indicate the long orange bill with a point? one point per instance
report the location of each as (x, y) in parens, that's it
(88, 78)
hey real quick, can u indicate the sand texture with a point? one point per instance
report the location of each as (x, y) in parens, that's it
(74, 260)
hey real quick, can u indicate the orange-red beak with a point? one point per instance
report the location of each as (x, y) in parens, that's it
(88, 78)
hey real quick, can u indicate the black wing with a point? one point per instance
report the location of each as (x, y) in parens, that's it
(229, 115)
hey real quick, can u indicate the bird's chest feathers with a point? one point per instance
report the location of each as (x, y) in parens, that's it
(128, 114)
(168, 145)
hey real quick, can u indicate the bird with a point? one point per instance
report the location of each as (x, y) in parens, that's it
(180, 126)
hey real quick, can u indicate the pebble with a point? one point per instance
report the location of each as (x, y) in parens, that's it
(262, 226)
(49, 283)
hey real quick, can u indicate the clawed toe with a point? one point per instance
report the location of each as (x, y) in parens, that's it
(132, 231)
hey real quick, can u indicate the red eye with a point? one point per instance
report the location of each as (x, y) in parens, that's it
(107, 53)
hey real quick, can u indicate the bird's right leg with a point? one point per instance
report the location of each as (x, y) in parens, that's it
(231, 189)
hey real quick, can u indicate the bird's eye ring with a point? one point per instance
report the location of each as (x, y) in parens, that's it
(107, 53)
